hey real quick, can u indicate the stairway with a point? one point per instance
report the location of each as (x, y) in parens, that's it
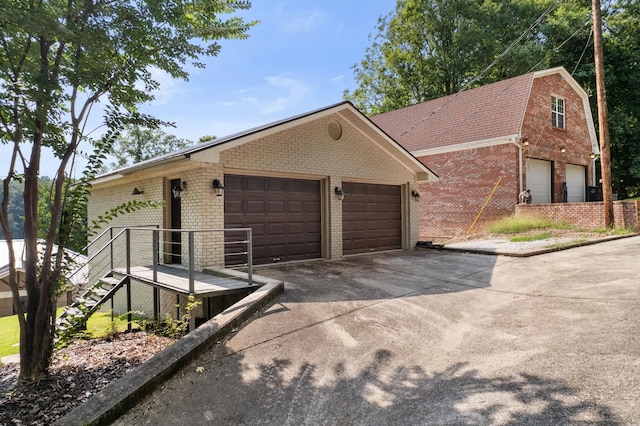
(75, 316)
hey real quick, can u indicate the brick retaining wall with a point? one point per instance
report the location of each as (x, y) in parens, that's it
(588, 215)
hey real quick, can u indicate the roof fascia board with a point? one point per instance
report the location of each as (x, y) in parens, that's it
(207, 156)
(107, 178)
(502, 140)
(397, 152)
(526, 104)
(260, 134)
(583, 95)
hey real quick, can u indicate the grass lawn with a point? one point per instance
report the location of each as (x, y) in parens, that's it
(99, 325)
(524, 223)
(518, 224)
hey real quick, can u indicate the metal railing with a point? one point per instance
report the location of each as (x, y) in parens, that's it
(162, 244)
(126, 247)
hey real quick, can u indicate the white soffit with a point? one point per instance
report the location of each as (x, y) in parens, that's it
(467, 145)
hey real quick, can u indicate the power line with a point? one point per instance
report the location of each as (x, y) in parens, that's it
(583, 51)
(491, 65)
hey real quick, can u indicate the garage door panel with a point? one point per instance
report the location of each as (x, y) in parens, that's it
(275, 230)
(312, 207)
(284, 215)
(254, 206)
(576, 183)
(296, 207)
(539, 180)
(371, 218)
(275, 207)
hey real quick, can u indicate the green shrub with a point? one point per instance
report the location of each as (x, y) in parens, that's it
(168, 326)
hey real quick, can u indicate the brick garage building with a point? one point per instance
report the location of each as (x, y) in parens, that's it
(282, 180)
(532, 132)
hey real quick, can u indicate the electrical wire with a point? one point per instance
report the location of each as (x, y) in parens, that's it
(583, 50)
(491, 65)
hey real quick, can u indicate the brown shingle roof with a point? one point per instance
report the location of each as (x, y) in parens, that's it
(487, 112)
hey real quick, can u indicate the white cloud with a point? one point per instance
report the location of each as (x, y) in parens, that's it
(281, 93)
(338, 80)
(169, 87)
(303, 22)
(291, 92)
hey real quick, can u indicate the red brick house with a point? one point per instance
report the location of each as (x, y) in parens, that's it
(531, 132)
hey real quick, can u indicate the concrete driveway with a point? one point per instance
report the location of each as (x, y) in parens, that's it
(430, 338)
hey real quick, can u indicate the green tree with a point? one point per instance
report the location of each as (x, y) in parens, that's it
(206, 138)
(57, 60)
(15, 210)
(622, 47)
(570, 28)
(426, 49)
(137, 144)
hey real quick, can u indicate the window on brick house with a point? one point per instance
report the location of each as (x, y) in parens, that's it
(557, 112)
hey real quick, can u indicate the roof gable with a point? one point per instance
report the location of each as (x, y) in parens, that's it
(484, 113)
(210, 151)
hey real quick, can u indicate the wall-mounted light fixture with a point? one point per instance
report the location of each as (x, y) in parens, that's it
(416, 195)
(339, 193)
(218, 188)
(525, 141)
(179, 189)
(563, 149)
(594, 156)
(136, 191)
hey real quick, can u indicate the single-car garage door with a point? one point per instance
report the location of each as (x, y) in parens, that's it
(371, 217)
(539, 180)
(576, 183)
(283, 213)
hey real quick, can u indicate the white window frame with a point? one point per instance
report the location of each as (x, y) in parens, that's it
(558, 112)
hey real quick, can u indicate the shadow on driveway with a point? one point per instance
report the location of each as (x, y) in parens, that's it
(426, 338)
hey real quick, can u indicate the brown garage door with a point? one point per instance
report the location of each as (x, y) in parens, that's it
(283, 213)
(371, 218)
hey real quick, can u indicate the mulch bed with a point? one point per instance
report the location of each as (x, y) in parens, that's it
(77, 372)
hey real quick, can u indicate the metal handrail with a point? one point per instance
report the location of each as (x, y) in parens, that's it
(191, 248)
(97, 253)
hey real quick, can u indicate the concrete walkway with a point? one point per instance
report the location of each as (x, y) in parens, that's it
(427, 337)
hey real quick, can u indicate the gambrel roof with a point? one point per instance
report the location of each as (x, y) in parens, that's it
(492, 112)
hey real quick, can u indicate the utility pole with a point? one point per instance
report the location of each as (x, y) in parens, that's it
(603, 119)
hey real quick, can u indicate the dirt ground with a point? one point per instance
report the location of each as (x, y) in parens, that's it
(77, 372)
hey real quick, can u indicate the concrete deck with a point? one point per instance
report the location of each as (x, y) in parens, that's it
(177, 279)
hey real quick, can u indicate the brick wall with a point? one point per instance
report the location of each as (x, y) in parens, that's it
(587, 215)
(545, 141)
(467, 178)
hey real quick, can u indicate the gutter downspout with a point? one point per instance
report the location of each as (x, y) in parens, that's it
(520, 158)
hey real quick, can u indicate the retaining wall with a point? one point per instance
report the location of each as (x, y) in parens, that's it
(588, 215)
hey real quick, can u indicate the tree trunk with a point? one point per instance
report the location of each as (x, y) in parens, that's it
(36, 340)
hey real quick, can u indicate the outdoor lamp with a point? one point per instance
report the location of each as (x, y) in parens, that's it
(217, 187)
(178, 189)
(339, 193)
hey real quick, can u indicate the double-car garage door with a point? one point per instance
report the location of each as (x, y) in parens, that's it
(285, 215)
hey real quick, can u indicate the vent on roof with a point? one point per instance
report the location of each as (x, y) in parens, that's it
(334, 130)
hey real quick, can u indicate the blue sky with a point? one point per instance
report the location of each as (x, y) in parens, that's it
(298, 58)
